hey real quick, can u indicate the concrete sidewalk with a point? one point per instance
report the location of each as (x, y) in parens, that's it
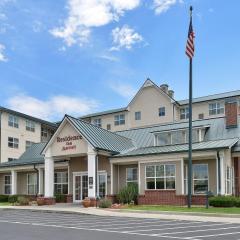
(77, 209)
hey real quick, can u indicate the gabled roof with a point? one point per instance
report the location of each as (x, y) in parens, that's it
(201, 146)
(212, 97)
(99, 138)
(50, 124)
(31, 156)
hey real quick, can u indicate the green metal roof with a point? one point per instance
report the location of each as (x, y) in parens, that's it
(100, 138)
(209, 145)
(31, 156)
(212, 97)
(3, 109)
(104, 112)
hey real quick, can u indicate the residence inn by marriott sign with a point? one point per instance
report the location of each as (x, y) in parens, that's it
(68, 142)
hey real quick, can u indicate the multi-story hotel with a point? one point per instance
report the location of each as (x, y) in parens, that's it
(144, 142)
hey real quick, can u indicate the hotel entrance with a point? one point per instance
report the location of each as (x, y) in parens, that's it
(80, 185)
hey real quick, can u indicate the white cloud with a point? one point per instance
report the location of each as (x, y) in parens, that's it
(125, 37)
(161, 6)
(2, 56)
(83, 15)
(123, 89)
(109, 58)
(53, 108)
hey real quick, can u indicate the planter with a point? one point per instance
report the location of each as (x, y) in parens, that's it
(40, 201)
(86, 202)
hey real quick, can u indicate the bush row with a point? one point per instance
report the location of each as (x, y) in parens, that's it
(3, 198)
(224, 201)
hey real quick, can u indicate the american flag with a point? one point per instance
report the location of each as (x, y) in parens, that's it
(190, 41)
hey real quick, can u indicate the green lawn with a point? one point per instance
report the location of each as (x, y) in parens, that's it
(5, 204)
(195, 209)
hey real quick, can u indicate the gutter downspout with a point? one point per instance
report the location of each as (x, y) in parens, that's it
(34, 167)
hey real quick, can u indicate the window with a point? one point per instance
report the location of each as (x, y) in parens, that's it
(30, 126)
(200, 178)
(61, 183)
(229, 180)
(161, 176)
(137, 115)
(201, 116)
(11, 159)
(44, 132)
(7, 184)
(119, 119)
(13, 121)
(109, 127)
(184, 113)
(131, 175)
(161, 112)
(216, 108)
(164, 138)
(29, 144)
(179, 137)
(32, 184)
(97, 122)
(13, 142)
(102, 180)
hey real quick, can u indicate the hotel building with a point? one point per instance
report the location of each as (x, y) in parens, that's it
(144, 142)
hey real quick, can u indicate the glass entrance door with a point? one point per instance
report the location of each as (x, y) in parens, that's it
(80, 187)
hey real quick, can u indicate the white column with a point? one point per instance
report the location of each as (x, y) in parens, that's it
(49, 177)
(40, 181)
(217, 177)
(14, 182)
(111, 178)
(139, 178)
(91, 172)
(182, 176)
(223, 176)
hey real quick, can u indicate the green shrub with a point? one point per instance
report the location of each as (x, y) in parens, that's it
(105, 203)
(23, 201)
(237, 203)
(222, 201)
(3, 198)
(60, 198)
(128, 194)
(13, 198)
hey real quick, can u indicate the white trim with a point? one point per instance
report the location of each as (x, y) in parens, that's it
(78, 174)
(102, 172)
(139, 178)
(111, 165)
(182, 176)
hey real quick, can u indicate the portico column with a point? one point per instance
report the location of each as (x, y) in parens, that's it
(222, 174)
(49, 177)
(14, 182)
(91, 172)
(40, 181)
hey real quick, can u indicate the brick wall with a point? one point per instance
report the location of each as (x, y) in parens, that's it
(168, 197)
(231, 112)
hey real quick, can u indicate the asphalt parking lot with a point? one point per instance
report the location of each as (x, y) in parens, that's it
(26, 225)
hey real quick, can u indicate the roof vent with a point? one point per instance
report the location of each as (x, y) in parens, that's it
(164, 87)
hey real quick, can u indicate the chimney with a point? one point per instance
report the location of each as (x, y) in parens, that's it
(171, 93)
(231, 113)
(164, 87)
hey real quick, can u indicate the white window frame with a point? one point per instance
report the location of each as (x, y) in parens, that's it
(200, 179)
(30, 126)
(229, 180)
(44, 132)
(62, 182)
(162, 112)
(138, 115)
(8, 185)
(103, 173)
(184, 113)
(164, 177)
(131, 181)
(97, 122)
(34, 184)
(119, 119)
(13, 121)
(216, 108)
(14, 142)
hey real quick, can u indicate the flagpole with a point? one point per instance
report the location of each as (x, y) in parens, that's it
(190, 130)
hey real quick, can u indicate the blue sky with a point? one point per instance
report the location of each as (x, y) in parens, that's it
(82, 56)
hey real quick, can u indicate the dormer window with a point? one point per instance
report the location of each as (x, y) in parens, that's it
(97, 122)
(216, 108)
(184, 113)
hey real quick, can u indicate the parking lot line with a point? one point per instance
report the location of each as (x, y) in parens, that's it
(213, 235)
(182, 227)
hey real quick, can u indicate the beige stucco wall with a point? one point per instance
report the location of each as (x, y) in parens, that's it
(148, 101)
(20, 133)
